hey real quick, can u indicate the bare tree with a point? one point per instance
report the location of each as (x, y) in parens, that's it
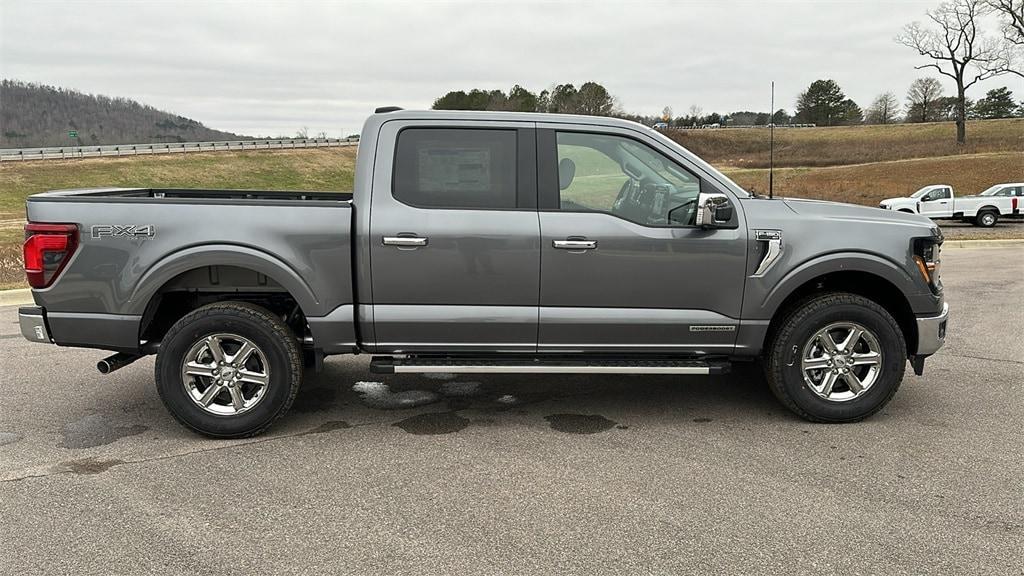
(666, 114)
(921, 99)
(883, 110)
(957, 49)
(302, 133)
(1011, 13)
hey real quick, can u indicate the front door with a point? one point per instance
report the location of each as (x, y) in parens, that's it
(623, 267)
(938, 203)
(454, 253)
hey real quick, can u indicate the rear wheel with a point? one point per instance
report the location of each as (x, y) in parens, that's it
(986, 219)
(229, 369)
(836, 357)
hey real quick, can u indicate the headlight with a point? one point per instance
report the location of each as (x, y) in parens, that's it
(927, 258)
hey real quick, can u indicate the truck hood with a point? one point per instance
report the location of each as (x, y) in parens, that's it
(898, 200)
(856, 213)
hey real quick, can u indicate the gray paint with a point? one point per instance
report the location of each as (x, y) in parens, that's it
(487, 281)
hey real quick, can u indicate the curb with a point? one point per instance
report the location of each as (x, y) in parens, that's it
(16, 297)
(983, 243)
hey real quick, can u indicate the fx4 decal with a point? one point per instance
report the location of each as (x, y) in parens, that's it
(123, 231)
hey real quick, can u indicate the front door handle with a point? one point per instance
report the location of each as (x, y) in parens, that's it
(405, 241)
(575, 244)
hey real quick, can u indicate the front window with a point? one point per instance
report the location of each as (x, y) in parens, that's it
(622, 177)
(921, 192)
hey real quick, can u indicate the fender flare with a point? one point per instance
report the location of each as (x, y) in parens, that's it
(194, 257)
(863, 262)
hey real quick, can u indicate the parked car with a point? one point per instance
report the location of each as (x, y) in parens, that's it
(482, 242)
(938, 202)
(660, 125)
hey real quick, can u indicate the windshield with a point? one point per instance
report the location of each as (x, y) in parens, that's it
(992, 191)
(921, 192)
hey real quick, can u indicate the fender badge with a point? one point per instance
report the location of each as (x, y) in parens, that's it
(123, 231)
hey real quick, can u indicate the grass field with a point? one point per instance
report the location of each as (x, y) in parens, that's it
(861, 164)
(748, 148)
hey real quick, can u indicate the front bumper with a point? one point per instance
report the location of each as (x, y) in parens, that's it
(33, 324)
(931, 332)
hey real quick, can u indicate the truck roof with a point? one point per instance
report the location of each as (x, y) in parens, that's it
(505, 116)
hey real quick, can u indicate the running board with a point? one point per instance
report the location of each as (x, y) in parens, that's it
(407, 365)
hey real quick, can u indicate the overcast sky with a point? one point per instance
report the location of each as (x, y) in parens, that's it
(269, 68)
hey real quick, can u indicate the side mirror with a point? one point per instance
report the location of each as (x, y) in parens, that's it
(713, 210)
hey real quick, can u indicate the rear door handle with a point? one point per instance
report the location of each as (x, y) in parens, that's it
(575, 244)
(405, 241)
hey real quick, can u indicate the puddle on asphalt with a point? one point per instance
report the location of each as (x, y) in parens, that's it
(433, 423)
(579, 423)
(96, 430)
(8, 438)
(90, 465)
(379, 395)
(329, 427)
(460, 389)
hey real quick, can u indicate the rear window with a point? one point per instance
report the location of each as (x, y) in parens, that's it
(456, 168)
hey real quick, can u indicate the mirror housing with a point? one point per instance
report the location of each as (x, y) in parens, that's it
(714, 211)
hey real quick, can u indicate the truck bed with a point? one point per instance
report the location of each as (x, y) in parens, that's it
(135, 244)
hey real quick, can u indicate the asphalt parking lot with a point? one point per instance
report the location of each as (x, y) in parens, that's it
(518, 474)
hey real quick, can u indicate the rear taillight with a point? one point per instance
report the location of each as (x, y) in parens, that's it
(48, 247)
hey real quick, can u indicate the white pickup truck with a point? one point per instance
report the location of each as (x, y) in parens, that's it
(985, 209)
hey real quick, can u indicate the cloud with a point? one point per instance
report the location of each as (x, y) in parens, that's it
(272, 67)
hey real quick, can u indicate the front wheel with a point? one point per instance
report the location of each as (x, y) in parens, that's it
(228, 369)
(836, 357)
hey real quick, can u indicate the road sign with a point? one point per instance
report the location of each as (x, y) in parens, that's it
(72, 133)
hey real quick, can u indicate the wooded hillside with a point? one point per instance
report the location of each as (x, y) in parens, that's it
(33, 115)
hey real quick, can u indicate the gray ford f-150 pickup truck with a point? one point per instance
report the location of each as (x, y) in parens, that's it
(488, 242)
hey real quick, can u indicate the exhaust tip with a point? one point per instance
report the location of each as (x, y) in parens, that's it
(103, 366)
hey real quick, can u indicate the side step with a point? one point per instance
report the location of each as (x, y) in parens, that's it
(429, 365)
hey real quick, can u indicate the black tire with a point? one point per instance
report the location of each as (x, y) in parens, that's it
(277, 345)
(986, 218)
(783, 365)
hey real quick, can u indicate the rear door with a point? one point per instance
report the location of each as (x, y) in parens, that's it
(454, 256)
(621, 270)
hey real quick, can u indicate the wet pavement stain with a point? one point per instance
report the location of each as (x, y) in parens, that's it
(702, 420)
(315, 399)
(460, 389)
(379, 395)
(433, 423)
(90, 465)
(579, 423)
(8, 438)
(329, 427)
(95, 430)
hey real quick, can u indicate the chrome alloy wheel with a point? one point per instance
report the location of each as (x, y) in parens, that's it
(841, 361)
(225, 374)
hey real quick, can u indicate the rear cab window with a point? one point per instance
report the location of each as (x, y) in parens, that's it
(456, 168)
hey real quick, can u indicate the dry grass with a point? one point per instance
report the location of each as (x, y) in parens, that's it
(322, 169)
(869, 183)
(748, 148)
(867, 163)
